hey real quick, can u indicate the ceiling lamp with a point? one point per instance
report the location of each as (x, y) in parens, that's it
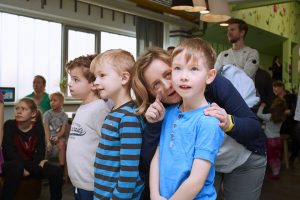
(182, 4)
(199, 6)
(219, 11)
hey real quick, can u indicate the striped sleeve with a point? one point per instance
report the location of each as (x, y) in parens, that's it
(130, 147)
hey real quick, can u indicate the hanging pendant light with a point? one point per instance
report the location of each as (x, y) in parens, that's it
(182, 4)
(219, 11)
(198, 6)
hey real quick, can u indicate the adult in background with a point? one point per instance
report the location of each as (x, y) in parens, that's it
(276, 69)
(297, 118)
(288, 125)
(40, 97)
(239, 55)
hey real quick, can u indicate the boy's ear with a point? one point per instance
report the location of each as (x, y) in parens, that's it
(125, 77)
(211, 76)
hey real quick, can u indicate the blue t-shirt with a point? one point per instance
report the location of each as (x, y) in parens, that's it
(187, 136)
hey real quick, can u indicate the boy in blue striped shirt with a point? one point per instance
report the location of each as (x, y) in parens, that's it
(118, 153)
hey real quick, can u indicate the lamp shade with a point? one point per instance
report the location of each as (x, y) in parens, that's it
(219, 11)
(182, 4)
(199, 5)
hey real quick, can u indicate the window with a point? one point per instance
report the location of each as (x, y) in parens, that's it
(29, 47)
(115, 41)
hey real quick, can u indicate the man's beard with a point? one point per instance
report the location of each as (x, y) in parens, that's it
(234, 40)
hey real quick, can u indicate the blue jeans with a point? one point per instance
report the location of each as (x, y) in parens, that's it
(81, 194)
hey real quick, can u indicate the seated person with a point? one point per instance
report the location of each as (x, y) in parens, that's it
(24, 152)
(55, 122)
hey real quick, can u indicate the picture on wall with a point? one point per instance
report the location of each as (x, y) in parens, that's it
(8, 94)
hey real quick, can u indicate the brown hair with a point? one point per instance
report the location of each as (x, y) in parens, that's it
(278, 84)
(277, 110)
(60, 96)
(196, 48)
(139, 86)
(40, 77)
(83, 62)
(33, 107)
(241, 24)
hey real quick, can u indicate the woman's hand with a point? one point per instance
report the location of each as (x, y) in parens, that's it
(215, 111)
(156, 111)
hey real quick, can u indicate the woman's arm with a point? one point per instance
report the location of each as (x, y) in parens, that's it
(246, 125)
(191, 187)
(154, 177)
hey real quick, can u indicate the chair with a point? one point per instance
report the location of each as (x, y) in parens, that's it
(284, 139)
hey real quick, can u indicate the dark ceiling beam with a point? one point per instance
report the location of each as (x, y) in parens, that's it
(165, 9)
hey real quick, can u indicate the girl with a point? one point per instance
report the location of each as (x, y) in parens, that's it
(24, 151)
(273, 122)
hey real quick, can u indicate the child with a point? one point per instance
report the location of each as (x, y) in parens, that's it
(55, 121)
(85, 129)
(24, 151)
(118, 153)
(273, 122)
(183, 165)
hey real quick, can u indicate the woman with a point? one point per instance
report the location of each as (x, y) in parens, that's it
(241, 160)
(24, 151)
(40, 97)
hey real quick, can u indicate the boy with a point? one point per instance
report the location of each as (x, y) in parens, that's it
(118, 153)
(183, 165)
(85, 129)
(55, 122)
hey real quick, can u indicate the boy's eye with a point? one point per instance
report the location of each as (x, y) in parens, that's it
(102, 75)
(176, 68)
(194, 69)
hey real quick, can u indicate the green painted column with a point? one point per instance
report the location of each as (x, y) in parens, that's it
(286, 63)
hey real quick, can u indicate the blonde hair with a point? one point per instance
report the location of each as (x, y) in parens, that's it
(139, 85)
(58, 94)
(196, 48)
(120, 59)
(33, 107)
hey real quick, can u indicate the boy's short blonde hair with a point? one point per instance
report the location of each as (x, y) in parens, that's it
(120, 59)
(196, 48)
(60, 96)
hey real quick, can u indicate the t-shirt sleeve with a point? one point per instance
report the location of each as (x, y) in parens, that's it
(209, 139)
(252, 63)
(46, 118)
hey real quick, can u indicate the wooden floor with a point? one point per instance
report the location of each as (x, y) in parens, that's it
(286, 188)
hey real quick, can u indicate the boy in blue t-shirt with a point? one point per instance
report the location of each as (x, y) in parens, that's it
(183, 165)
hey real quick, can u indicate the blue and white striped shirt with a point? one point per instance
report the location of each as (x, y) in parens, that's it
(118, 154)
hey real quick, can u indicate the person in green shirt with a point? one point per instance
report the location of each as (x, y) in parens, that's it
(39, 95)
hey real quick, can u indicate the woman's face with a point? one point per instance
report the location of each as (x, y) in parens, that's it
(158, 79)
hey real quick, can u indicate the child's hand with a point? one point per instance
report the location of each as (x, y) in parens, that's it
(159, 198)
(54, 138)
(156, 110)
(215, 111)
(49, 147)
